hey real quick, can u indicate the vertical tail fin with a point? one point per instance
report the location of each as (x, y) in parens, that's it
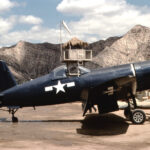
(6, 78)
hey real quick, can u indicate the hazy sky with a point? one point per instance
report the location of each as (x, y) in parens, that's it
(89, 20)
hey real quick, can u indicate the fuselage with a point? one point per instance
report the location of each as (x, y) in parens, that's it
(50, 89)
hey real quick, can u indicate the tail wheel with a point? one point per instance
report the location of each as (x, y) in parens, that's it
(138, 117)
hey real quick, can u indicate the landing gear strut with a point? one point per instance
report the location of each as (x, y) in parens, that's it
(13, 111)
(137, 116)
(127, 113)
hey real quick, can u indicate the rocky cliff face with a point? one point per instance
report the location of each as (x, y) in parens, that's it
(134, 46)
(100, 45)
(28, 61)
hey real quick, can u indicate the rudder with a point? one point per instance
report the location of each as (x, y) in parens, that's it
(6, 78)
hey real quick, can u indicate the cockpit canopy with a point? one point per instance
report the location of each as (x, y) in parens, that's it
(60, 72)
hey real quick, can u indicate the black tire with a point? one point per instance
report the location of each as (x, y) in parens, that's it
(138, 116)
(127, 113)
(14, 119)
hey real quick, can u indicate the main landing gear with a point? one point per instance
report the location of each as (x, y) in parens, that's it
(13, 111)
(137, 116)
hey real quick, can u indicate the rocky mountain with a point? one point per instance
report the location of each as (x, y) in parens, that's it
(28, 61)
(100, 45)
(134, 46)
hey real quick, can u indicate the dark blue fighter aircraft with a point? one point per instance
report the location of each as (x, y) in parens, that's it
(101, 88)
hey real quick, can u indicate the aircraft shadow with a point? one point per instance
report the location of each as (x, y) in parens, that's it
(92, 124)
(100, 125)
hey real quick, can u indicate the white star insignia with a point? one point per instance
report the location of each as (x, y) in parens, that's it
(59, 87)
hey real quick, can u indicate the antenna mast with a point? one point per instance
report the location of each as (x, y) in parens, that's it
(60, 41)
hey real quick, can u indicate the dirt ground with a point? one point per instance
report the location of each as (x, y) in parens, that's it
(63, 127)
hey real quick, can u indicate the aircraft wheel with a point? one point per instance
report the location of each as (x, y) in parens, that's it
(138, 116)
(127, 113)
(14, 119)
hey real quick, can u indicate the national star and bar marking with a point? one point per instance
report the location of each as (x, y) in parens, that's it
(59, 87)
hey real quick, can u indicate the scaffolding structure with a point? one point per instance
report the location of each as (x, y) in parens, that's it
(74, 55)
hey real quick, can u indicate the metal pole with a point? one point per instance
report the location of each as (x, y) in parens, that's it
(60, 42)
